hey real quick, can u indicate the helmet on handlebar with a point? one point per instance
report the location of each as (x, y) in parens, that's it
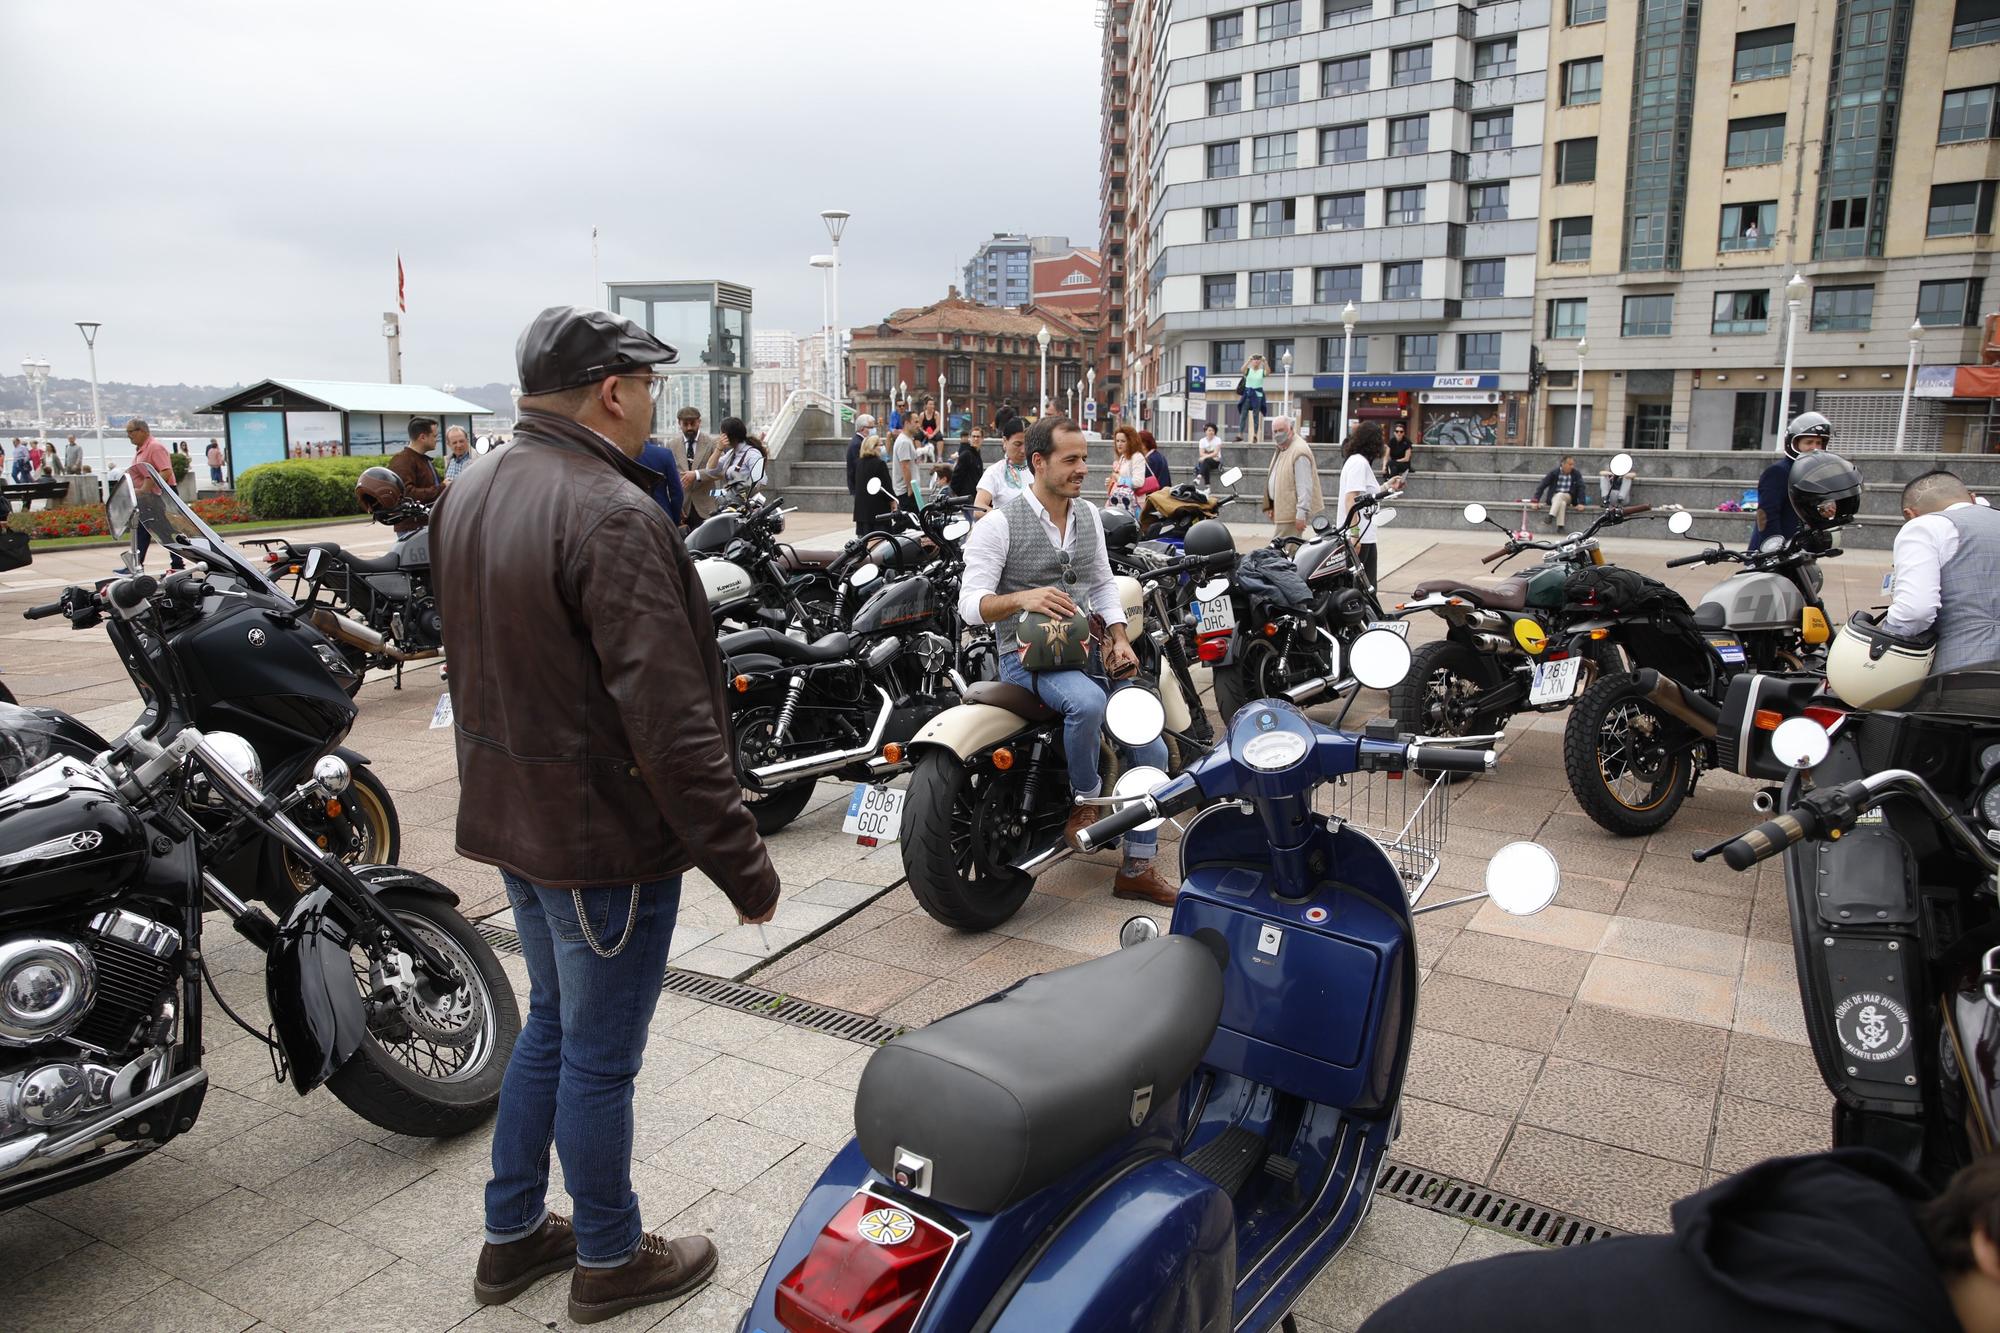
(1868, 667)
(1808, 425)
(1121, 530)
(1825, 490)
(379, 490)
(1208, 537)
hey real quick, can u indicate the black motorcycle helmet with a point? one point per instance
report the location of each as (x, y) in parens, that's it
(379, 490)
(1825, 490)
(1209, 537)
(1121, 530)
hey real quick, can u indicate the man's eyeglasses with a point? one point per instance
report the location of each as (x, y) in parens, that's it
(655, 384)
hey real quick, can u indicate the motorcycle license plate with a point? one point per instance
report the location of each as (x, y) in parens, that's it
(441, 715)
(1216, 616)
(874, 813)
(1554, 681)
(1401, 627)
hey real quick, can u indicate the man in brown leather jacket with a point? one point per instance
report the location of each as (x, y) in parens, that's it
(595, 768)
(413, 464)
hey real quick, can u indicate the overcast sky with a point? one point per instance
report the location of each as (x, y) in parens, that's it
(226, 185)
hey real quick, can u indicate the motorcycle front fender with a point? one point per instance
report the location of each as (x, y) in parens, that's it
(352, 758)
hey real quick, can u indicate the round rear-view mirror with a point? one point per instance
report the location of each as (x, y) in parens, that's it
(1135, 716)
(1522, 878)
(1384, 516)
(1139, 930)
(874, 485)
(956, 530)
(1800, 742)
(864, 575)
(1232, 476)
(1475, 512)
(1379, 659)
(1621, 464)
(1212, 589)
(1680, 521)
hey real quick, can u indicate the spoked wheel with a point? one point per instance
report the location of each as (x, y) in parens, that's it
(756, 747)
(1255, 674)
(1442, 695)
(1627, 762)
(359, 826)
(963, 831)
(432, 1061)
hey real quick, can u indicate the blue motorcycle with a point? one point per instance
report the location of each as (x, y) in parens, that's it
(1179, 1135)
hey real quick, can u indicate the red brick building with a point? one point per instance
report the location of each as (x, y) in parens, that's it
(986, 355)
(1070, 282)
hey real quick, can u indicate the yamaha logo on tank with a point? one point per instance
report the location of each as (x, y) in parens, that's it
(256, 638)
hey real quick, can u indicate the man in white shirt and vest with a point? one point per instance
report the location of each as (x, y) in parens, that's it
(1948, 572)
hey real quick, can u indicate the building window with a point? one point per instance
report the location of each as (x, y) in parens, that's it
(1413, 6)
(1949, 304)
(1340, 212)
(1488, 203)
(1410, 64)
(1493, 60)
(1417, 351)
(1337, 286)
(1479, 351)
(1405, 205)
(1225, 31)
(1764, 54)
(1218, 292)
(1331, 350)
(1485, 278)
(1752, 226)
(1275, 217)
(1275, 352)
(1403, 282)
(1343, 143)
(1974, 24)
(1225, 96)
(1648, 316)
(1649, 425)
(1280, 20)
(1961, 209)
(1343, 76)
(1493, 130)
(1274, 152)
(1224, 159)
(1221, 224)
(1271, 286)
(1842, 308)
(1583, 82)
(1755, 141)
(881, 379)
(1567, 316)
(1409, 136)
(1968, 115)
(1226, 357)
(1585, 11)
(1576, 161)
(1571, 239)
(1741, 312)
(1340, 13)
(1278, 87)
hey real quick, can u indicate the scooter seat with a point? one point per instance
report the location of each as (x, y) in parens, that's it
(1006, 1097)
(1016, 699)
(1510, 594)
(828, 648)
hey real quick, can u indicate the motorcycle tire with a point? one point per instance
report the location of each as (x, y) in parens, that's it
(947, 804)
(772, 807)
(1431, 701)
(386, 1090)
(1611, 728)
(1251, 676)
(375, 834)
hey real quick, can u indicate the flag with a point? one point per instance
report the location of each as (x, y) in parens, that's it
(399, 285)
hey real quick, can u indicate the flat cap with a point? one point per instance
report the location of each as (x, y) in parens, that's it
(567, 347)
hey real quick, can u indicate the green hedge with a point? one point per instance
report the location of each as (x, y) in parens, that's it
(304, 487)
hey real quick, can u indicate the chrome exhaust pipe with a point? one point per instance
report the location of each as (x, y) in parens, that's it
(818, 765)
(1045, 858)
(1668, 694)
(353, 632)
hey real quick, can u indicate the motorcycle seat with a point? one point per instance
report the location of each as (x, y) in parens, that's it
(1006, 1097)
(387, 563)
(829, 648)
(1016, 699)
(1509, 594)
(1711, 615)
(793, 560)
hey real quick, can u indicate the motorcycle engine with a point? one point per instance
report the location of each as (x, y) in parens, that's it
(418, 626)
(88, 1018)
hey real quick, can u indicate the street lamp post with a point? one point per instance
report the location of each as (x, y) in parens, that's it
(1576, 426)
(902, 392)
(836, 222)
(824, 263)
(940, 397)
(1287, 359)
(1348, 317)
(89, 328)
(1090, 387)
(1909, 382)
(1042, 340)
(1795, 292)
(37, 371)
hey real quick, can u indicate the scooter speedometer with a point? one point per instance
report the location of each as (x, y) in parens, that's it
(1270, 751)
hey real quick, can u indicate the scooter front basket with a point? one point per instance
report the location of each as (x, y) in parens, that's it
(1409, 815)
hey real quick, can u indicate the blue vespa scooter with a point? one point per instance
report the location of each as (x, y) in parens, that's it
(1179, 1135)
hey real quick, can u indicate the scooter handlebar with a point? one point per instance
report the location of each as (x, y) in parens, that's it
(1450, 759)
(1118, 823)
(1765, 841)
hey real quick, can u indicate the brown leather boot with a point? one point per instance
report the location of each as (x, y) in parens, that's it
(661, 1270)
(1146, 884)
(505, 1271)
(1081, 817)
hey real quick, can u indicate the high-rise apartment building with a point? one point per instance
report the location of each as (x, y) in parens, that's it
(1001, 271)
(1289, 159)
(1701, 155)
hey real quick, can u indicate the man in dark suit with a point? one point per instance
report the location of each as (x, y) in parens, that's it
(862, 425)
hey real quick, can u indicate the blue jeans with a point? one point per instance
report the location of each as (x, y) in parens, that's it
(1081, 701)
(570, 1081)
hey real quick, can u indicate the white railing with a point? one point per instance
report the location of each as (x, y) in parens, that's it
(791, 415)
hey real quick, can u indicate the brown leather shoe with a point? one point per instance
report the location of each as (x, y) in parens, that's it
(1081, 817)
(505, 1271)
(1147, 885)
(660, 1271)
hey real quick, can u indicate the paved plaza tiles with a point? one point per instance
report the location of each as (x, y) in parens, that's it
(1621, 1049)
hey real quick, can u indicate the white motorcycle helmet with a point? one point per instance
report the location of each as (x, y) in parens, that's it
(1868, 667)
(1807, 425)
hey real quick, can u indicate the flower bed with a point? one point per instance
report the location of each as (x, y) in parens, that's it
(62, 521)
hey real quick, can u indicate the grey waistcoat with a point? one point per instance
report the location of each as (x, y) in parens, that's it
(1968, 622)
(1033, 561)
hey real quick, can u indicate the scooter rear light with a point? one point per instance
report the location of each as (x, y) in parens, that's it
(870, 1270)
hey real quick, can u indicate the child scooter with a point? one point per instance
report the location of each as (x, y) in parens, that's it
(1179, 1135)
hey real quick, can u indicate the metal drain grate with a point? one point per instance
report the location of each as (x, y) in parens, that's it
(750, 999)
(1476, 1203)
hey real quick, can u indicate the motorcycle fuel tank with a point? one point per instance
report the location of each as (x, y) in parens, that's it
(1320, 560)
(1753, 600)
(715, 534)
(266, 675)
(65, 837)
(723, 581)
(903, 603)
(415, 552)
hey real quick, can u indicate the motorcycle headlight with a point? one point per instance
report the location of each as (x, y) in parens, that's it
(239, 754)
(1989, 806)
(330, 658)
(46, 986)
